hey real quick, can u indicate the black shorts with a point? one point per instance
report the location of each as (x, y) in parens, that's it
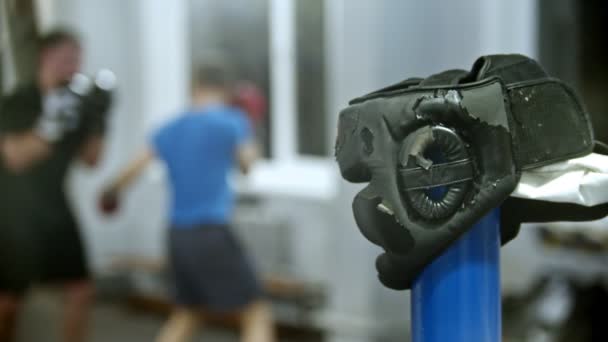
(60, 255)
(14, 280)
(17, 262)
(210, 270)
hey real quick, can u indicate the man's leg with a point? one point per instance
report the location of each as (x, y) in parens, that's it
(180, 327)
(78, 301)
(257, 323)
(9, 309)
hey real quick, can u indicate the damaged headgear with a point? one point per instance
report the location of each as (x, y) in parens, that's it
(440, 153)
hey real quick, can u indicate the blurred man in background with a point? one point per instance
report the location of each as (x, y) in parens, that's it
(18, 151)
(31, 115)
(208, 266)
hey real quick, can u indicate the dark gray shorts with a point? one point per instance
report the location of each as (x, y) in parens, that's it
(210, 269)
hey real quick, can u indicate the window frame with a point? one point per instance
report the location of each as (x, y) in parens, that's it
(287, 172)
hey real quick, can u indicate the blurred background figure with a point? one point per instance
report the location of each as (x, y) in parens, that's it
(307, 59)
(17, 150)
(43, 121)
(208, 267)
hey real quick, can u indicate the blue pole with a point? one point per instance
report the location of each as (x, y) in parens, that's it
(457, 297)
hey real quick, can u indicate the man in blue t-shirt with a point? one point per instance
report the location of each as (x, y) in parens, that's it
(209, 268)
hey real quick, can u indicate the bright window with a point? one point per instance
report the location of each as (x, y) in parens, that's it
(279, 46)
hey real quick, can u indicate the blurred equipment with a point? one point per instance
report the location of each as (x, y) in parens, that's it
(18, 42)
(566, 304)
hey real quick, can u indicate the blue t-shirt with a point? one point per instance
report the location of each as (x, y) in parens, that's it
(199, 149)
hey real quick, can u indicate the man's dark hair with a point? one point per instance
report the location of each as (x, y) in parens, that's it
(56, 37)
(215, 74)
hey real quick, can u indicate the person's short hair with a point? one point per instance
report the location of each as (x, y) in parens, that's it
(56, 37)
(214, 74)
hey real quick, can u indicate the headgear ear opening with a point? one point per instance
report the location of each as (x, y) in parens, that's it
(435, 179)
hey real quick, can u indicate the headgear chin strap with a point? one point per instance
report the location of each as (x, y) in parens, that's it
(440, 153)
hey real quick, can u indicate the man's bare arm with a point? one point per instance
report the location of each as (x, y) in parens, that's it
(132, 171)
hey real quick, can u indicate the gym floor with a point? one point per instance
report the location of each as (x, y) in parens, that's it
(110, 322)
